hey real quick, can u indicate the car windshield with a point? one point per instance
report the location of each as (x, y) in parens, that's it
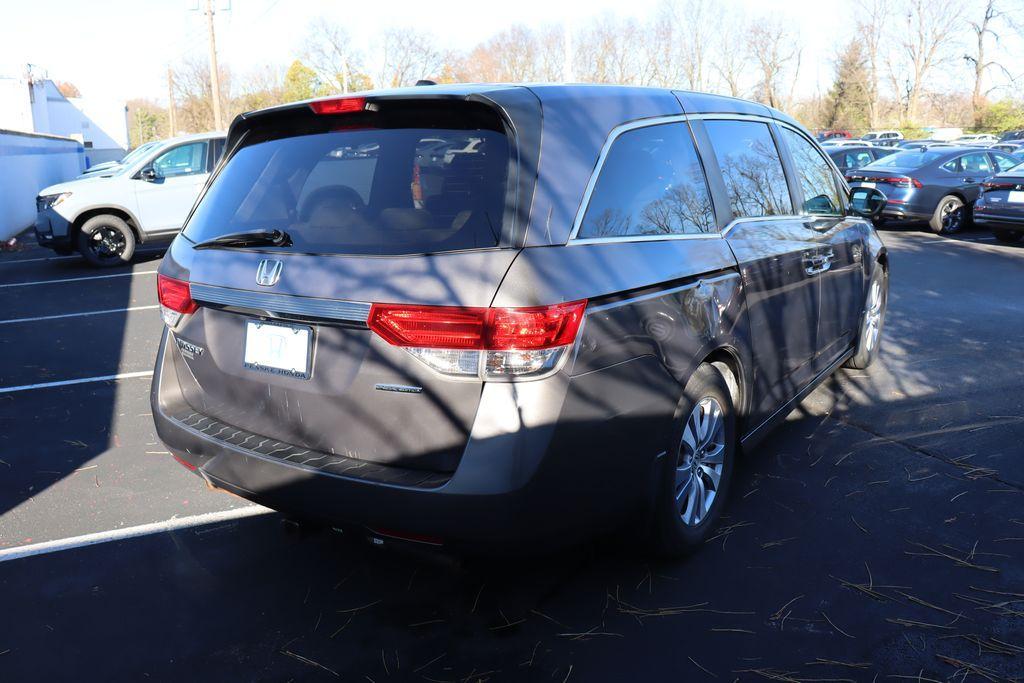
(906, 160)
(384, 191)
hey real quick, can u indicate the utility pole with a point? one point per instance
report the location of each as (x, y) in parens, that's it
(171, 122)
(214, 73)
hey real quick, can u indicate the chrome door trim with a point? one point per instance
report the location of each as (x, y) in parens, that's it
(661, 292)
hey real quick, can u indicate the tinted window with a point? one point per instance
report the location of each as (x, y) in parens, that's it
(1005, 163)
(651, 183)
(381, 189)
(907, 160)
(858, 159)
(751, 168)
(182, 160)
(975, 163)
(817, 180)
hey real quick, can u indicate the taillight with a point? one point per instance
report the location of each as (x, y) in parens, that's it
(997, 186)
(175, 299)
(486, 343)
(341, 105)
(903, 182)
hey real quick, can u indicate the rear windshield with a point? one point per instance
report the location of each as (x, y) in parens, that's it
(404, 182)
(907, 160)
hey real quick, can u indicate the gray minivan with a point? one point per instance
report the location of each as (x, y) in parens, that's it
(497, 314)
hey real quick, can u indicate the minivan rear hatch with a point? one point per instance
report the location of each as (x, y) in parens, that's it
(321, 210)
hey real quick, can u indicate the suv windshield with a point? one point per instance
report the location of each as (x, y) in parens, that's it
(381, 189)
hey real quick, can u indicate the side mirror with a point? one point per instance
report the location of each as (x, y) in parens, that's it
(148, 174)
(867, 202)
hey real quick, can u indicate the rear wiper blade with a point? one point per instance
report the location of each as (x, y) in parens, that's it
(250, 238)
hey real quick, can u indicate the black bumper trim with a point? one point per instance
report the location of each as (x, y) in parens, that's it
(296, 456)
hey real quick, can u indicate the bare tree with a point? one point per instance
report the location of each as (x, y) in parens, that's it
(978, 61)
(408, 55)
(774, 49)
(929, 32)
(731, 58)
(692, 27)
(331, 54)
(871, 30)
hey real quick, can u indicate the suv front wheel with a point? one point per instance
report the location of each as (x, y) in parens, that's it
(106, 240)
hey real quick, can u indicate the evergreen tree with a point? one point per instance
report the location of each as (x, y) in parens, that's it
(848, 103)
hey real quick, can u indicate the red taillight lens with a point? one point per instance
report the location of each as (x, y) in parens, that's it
(998, 186)
(342, 105)
(916, 183)
(175, 295)
(493, 329)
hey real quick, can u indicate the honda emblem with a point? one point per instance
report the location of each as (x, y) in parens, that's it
(268, 272)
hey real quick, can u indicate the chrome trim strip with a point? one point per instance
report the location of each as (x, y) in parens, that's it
(661, 292)
(330, 309)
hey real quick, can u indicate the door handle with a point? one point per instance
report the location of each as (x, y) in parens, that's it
(818, 263)
(970, 180)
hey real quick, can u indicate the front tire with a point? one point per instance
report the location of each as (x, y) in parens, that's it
(698, 467)
(872, 320)
(106, 241)
(950, 216)
(1009, 236)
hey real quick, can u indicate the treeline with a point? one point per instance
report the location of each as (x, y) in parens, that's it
(893, 66)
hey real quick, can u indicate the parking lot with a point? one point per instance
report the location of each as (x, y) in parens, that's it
(878, 534)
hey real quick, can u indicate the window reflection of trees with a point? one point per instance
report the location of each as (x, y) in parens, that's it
(816, 178)
(755, 181)
(671, 171)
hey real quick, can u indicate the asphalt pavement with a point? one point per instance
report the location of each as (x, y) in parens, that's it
(877, 534)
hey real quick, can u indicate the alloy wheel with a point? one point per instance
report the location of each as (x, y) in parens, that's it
(700, 461)
(952, 215)
(873, 315)
(107, 242)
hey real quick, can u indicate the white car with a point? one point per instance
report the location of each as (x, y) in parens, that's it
(111, 167)
(103, 217)
(886, 138)
(977, 139)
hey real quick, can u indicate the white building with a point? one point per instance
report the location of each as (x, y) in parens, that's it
(35, 105)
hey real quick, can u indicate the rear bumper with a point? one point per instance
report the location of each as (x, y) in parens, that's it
(543, 481)
(997, 223)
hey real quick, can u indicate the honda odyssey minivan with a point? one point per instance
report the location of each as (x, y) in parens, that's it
(495, 315)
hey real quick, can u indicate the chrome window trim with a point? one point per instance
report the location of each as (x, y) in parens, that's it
(616, 132)
(676, 118)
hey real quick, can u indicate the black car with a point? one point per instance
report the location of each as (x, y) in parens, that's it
(938, 185)
(565, 322)
(1001, 205)
(852, 158)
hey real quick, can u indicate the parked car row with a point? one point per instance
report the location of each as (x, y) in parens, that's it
(937, 185)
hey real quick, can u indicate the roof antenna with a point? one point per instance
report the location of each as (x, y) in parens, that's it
(425, 81)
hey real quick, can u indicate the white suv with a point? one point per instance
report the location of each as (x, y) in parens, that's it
(883, 138)
(150, 197)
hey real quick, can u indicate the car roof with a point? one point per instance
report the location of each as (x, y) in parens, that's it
(692, 102)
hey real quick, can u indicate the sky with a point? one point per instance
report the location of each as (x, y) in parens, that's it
(120, 49)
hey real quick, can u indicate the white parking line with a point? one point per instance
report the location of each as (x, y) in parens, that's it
(62, 258)
(173, 524)
(77, 315)
(69, 382)
(76, 279)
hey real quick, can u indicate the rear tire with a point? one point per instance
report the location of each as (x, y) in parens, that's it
(1009, 236)
(106, 241)
(872, 320)
(950, 216)
(698, 467)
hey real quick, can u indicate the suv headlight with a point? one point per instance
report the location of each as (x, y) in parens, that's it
(50, 200)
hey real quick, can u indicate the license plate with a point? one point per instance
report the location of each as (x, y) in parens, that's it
(868, 185)
(1016, 197)
(278, 349)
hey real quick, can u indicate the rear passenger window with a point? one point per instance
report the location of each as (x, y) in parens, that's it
(1004, 163)
(751, 168)
(817, 180)
(651, 183)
